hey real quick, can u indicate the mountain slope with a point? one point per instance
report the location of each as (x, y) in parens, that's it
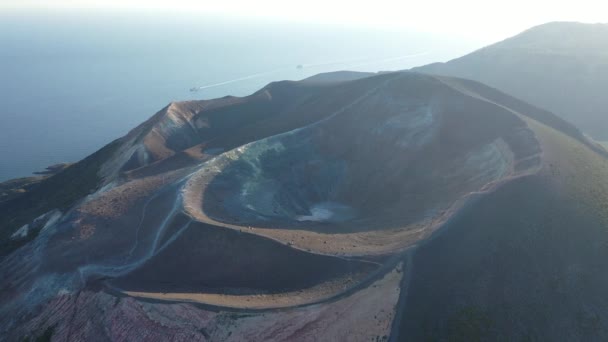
(561, 67)
(400, 205)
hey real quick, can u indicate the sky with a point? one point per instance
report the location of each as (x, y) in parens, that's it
(477, 19)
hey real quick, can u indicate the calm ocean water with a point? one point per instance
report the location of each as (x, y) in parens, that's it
(70, 82)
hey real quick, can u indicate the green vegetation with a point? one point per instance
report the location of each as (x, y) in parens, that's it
(237, 315)
(469, 324)
(60, 191)
(14, 188)
(44, 337)
(580, 170)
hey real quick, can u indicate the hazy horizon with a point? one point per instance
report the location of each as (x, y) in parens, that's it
(458, 19)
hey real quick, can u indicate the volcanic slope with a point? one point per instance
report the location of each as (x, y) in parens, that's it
(252, 216)
(558, 66)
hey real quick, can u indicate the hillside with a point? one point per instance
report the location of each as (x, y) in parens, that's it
(560, 66)
(399, 206)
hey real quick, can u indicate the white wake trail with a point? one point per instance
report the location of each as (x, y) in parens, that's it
(240, 79)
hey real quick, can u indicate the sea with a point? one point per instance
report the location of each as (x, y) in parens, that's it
(72, 81)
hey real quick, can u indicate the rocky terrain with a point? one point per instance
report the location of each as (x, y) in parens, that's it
(397, 206)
